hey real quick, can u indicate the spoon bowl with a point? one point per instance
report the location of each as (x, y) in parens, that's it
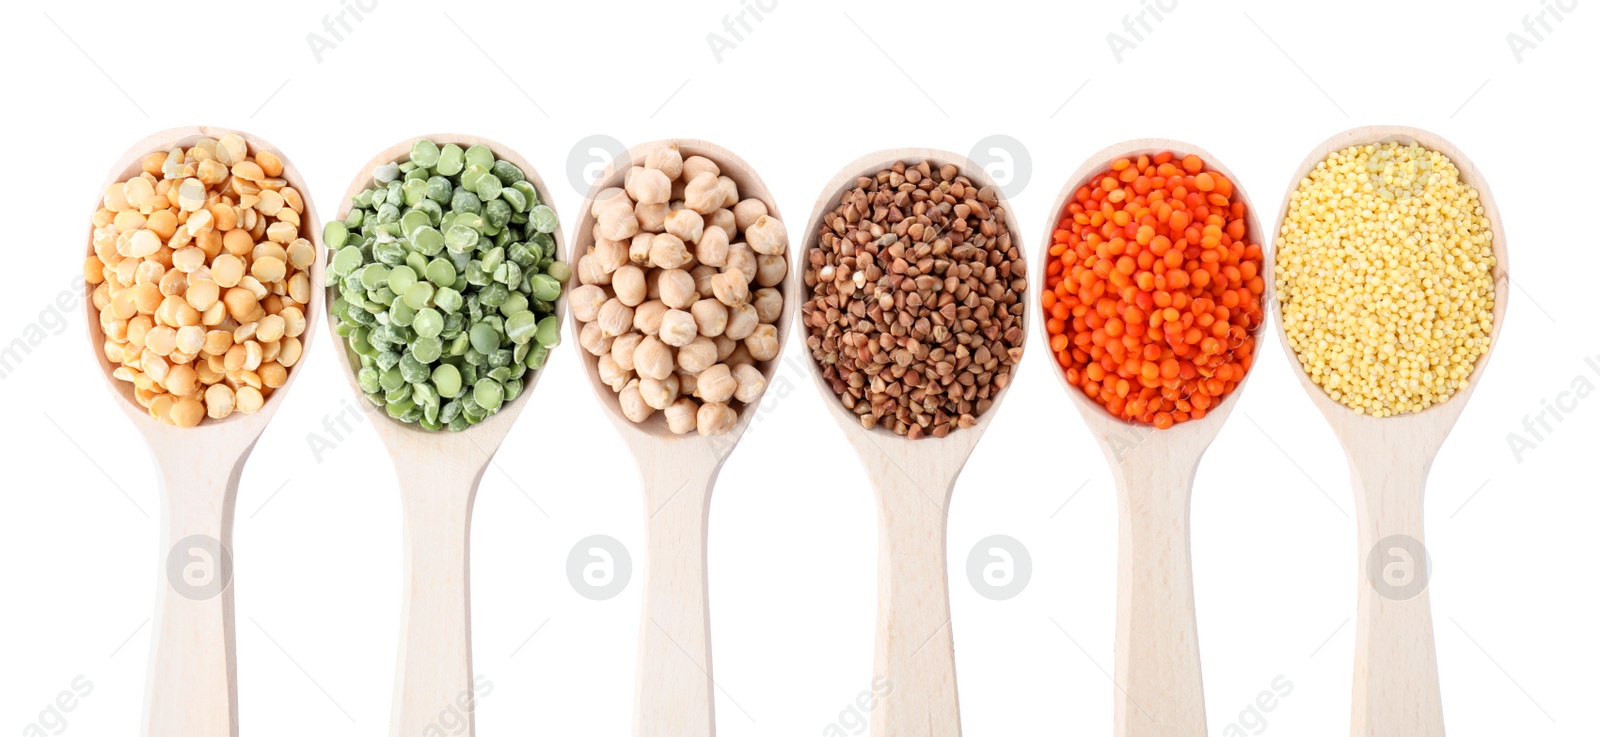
(192, 687)
(1158, 677)
(673, 693)
(913, 481)
(1396, 687)
(438, 473)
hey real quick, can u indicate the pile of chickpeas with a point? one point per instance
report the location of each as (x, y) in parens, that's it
(200, 274)
(679, 298)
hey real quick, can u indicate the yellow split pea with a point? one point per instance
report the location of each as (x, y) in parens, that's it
(202, 279)
(1385, 274)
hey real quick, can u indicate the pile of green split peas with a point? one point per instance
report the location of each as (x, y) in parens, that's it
(447, 283)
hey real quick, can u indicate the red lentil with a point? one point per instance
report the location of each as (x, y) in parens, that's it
(1153, 286)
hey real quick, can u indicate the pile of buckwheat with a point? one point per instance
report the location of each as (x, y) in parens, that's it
(915, 299)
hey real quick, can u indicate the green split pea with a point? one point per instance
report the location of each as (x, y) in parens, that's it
(447, 282)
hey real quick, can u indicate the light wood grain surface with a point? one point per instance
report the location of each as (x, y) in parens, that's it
(913, 481)
(674, 692)
(1396, 688)
(439, 474)
(1159, 691)
(192, 689)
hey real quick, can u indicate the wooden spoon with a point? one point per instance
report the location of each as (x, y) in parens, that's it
(439, 474)
(673, 692)
(1158, 681)
(913, 481)
(1396, 673)
(192, 687)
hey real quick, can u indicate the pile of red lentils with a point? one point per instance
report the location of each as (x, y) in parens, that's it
(1153, 287)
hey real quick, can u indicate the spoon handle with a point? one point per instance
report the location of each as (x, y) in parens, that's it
(1159, 691)
(1396, 670)
(193, 687)
(434, 687)
(673, 691)
(914, 671)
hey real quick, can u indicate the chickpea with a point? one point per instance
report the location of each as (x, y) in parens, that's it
(763, 343)
(681, 415)
(594, 340)
(622, 350)
(698, 355)
(770, 270)
(730, 288)
(632, 403)
(677, 288)
(751, 383)
(659, 393)
(586, 301)
(647, 318)
(769, 305)
(611, 374)
(702, 280)
(628, 283)
(652, 218)
(649, 186)
(767, 236)
(592, 272)
(603, 198)
(730, 191)
(653, 359)
(639, 248)
(687, 383)
(725, 346)
(615, 317)
(723, 219)
(616, 220)
(710, 317)
(747, 212)
(712, 250)
(667, 159)
(740, 356)
(742, 321)
(743, 260)
(703, 194)
(694, 166)
(668, 251)
(611, 254)
(716, 384)
(686, 224)
(715, 418)
(678, 328)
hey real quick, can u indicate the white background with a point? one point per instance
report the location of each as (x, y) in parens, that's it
(792, 541)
